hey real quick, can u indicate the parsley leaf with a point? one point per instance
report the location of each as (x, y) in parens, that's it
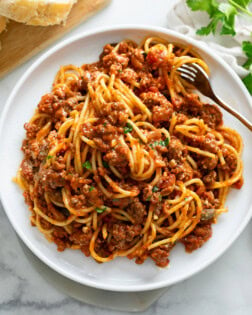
(87, 165)
(148, 198)
(105, 164)
(128, 128)
(248, 82)
(163, 143)
(203, 5)
(247, 48)
(100, 210)
(91, 188)
(242, 3)
(49, 157)
(155, 189)
(228, 18)
(222, 14)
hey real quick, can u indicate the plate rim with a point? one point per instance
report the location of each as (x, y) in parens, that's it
(27, 73)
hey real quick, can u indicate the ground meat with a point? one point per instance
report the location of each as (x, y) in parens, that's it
(176, 151)
(191, 105)
(31, 130)
(128, 75)
(121, 231)
(126, 48)
(137, 211)
(181, 118)
(161, 113)
(154, 135)
(137, 59)
(118, 156)
(230, 159)
(160, 256)
(122, 235)
(81, 237)
(150, 195)
(46, 103)
(151, 99)
(167, 183)
(210, 178)
(207, 163)
(87, 77)
(102, 134)
(27, 170)
(78, 201)
(59, 164)
(114, 61)
(206, 143)
(158, 57)
(182, 171)
(57, 108)
(211, 115)
(208, 200)
(115, 113)
(60, 237)
(50, 179)
(198, 237)
(209, 143)
(28, 200)
(106, 50)
(146, 80)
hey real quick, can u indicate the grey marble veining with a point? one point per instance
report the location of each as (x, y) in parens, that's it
(223, 288)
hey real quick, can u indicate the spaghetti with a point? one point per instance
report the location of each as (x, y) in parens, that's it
(122, 159)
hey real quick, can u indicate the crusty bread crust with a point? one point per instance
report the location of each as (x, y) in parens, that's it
(3, 23)
(36, 12)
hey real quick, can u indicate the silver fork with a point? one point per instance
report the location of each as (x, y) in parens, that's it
(197, 77)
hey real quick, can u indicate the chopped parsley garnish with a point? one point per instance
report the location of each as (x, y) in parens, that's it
(222, 15)
(105, 124)
(128, 128)
(247, 48)
(148, 198)
(100, 210)
(155, 189)
(49, 157)
(91, 188)
(120, 71)
(87, 165)
(105, 164)
(160, 197)
(163, 143)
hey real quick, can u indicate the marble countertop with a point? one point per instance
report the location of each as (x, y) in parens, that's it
(223, 288)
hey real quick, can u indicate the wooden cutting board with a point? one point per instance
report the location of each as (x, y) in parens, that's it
(21, 42)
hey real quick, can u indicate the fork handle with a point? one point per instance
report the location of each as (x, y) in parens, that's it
(233, 112)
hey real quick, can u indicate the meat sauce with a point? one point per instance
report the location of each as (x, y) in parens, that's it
(130, 64)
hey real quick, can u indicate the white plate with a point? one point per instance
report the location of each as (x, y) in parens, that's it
(120, 274)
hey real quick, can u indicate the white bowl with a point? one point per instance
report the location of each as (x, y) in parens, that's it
(120, 274)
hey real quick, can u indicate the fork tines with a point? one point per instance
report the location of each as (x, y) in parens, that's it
(189, 71)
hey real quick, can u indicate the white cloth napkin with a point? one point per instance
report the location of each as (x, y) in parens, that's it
(185, 21)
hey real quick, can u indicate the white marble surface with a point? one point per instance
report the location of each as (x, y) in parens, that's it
(223, 288)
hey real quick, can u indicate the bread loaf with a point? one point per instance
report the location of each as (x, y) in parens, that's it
(3, 23)
(36, 12)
